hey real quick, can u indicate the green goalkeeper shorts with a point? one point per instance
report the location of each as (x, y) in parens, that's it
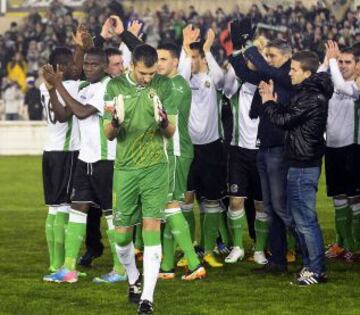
(140, 194)
(178, 174)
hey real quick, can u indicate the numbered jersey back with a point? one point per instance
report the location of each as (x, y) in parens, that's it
(61, 136)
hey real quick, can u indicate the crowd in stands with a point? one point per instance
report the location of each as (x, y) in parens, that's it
(25, 48)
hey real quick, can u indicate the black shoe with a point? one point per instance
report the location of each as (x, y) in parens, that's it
(88, 257)
(145, 307)
(270, 268)
(135, 291)
(310, 278)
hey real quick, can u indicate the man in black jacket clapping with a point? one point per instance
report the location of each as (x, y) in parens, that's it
(304, 122)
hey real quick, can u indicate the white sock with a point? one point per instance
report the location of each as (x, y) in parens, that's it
(53, 210)
(76, 216)
(126, 256)
(64, 209)
(109, 221)
(151, 266)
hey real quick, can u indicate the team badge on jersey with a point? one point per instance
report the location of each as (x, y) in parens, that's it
(207, 84)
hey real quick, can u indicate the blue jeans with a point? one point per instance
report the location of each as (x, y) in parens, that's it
(272, 170)
(302, 184)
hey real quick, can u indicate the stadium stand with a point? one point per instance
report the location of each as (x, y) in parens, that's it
(25, 45)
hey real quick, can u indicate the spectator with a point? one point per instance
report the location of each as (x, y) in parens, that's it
(17, 70)
(13, 100)
(304, 120)
(33, 57)
(32, 101)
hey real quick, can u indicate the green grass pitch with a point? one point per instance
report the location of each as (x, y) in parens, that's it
(231, 290)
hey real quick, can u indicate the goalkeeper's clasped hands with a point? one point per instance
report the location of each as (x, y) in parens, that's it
(118, 112)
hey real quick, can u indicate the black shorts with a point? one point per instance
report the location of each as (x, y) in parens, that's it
(58, 172)
(93, 184)
(357, 168)
(341, 167)
(207, 171)
(244, 179)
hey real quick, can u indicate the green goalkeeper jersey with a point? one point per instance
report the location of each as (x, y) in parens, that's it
(180, 144)
(140, 143)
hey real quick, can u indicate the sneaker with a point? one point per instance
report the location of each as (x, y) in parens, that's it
(135, 291)
(290, 256)
(111, 277)
(145, 307)
(221, 248)
(88, 257)
(62, 275)
(235, 255)
(167, 275)
(301, 272)
(310, 278)
(270, 268)
(260, 258)
(49, 278)
(198, 273)
(333, 251)
(182, 263)
(211, 260)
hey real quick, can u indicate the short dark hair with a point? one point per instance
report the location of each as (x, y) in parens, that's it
(282, 45)
(60, 56)
(146, 54)
(199, 47)
(172, 48)
(112, 52)
(350, 51)
(98, 52)
(309, 61)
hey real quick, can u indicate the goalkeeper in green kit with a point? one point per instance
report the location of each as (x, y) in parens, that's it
(141, 116)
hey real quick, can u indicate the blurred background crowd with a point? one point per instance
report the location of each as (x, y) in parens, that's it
(25, 47)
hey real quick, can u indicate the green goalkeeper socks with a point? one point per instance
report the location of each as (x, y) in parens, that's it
(74, 237)
(49, 233)
(117, 266)
(60, 224)
(236, 223)
(180, 231)
(169, 248)
(211, 228)
(356, 225)
(343, 216)
(188, 212)
(223, 230)
(261, 230)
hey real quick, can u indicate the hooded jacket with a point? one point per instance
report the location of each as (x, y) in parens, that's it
(304, 120)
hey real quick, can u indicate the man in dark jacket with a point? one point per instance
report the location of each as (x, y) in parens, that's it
(270, 158)
(33, 101)
(304, 122)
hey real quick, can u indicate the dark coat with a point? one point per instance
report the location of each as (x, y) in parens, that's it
(304, 120)
(269, 135)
